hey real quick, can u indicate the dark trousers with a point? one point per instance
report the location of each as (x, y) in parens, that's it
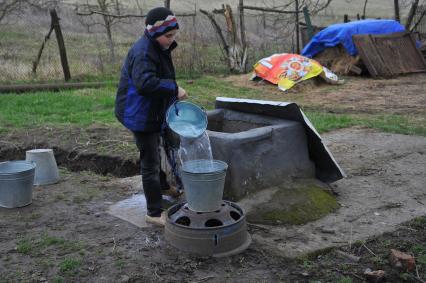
(153, 178)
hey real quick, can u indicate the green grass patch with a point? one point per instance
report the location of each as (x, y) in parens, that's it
(69, 266)
(324, 122)
(87, 106)
(25, 246)
(80, 107)
(36, 246)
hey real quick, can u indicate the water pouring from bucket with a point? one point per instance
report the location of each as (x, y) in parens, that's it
(203, 178)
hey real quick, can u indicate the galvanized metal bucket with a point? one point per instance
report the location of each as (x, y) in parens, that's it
(203, 181)
(186, 119)
(16, 183)
(46, 172)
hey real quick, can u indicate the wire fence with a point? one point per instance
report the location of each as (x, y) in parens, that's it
(91, 56)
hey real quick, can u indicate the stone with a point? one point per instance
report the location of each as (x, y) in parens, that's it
(124, 279)
(374, 276)
(351, 257)
(328, 230)
(402, 260)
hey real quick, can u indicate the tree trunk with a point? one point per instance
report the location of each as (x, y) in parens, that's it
(108, 24)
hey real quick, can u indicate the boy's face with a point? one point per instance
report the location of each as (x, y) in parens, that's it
(167, 39)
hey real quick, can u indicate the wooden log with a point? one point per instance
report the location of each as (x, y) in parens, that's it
(355, 69)
(269, 10)
(22, 88)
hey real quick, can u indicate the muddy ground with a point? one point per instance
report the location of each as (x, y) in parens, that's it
(66, 234)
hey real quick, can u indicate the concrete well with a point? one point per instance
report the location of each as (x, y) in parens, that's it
(265, 144)
(261, 151)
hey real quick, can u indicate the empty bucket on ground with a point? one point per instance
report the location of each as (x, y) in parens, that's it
(47, 170)
(16, 183)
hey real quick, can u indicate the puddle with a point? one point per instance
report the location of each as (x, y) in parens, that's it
(133, 209)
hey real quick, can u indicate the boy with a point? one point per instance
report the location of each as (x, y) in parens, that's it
(147, 88)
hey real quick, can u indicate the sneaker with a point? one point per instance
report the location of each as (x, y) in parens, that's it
(172, 191)
(159, 220)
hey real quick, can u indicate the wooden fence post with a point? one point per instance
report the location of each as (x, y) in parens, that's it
(396, 6)
(308, 22)
(345, 18)
(297, 27)
(61, 44)
(243, 33)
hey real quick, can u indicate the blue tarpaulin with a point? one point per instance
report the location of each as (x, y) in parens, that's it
(342, 34)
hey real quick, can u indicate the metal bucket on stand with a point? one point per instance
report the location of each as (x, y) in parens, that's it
(204, 181)
(16, 183)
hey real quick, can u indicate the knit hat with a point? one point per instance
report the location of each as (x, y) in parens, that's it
(159, 21)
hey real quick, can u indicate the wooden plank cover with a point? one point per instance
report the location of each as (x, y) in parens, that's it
(391, 54)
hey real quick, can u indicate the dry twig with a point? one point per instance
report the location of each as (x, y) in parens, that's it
(370, 251)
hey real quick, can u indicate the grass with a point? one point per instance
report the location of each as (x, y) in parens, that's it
(84, 107)
(25, 246)
(36, 247)
(80, 107)
(69, 266)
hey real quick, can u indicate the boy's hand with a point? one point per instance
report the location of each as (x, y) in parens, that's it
(182, 94)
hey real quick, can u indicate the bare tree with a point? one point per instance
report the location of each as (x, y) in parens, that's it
(8, 7)
(233, 43)
(17, 7)
(105, 13)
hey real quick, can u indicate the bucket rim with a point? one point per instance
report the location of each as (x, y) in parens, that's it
(31, 165)
(199, 109)
(215, 161)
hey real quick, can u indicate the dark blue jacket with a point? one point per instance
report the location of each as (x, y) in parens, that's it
(147, 86)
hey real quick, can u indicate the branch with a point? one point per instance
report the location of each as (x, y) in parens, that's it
(411, 14)
(418, 22)
(91, 12)
(269, 10)
(365, 8)
(323, 7)
(218, 30)
(5, 8)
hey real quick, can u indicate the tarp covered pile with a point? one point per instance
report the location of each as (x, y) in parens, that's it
(342, 34)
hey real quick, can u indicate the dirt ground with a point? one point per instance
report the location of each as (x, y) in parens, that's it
(66, 234)
(399, 95)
